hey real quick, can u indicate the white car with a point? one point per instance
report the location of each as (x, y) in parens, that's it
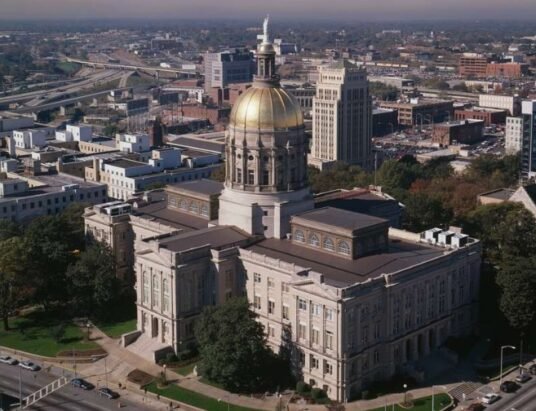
(490, 398)
(28, 365)
(6, 359)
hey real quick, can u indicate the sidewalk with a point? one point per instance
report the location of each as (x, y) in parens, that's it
(122, 361)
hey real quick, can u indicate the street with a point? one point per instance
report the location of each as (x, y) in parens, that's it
(67, 398)
(522, 400)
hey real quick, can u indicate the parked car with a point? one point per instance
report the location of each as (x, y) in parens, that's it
(523, 378)
(532, 369)
(508, 386)
(6, 359)
(108, 393)
(80, 383)
(490, 398)
(476, 407)
(28, 365)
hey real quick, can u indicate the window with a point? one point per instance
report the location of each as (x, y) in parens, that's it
(265, 177)
(376, 357)
(271, 306)
(316, 309)
(257, 302)
(329, 340)
(156, 291)
(145, 288)
(165, 286)
(257, 277)
(302, 331)
(271, 331)
(239, 175)
(298, 236)
(315, 336)
(284, 286)
(314, 361)
(328, 368)
(328, 244)
(364, 335)
(329, 314)
(204, 210)
(344, 248)
(314, 241)
(271, 282)
(377, 331)
(285, 312)
(302, 304)
(194, 207)
(251, 177)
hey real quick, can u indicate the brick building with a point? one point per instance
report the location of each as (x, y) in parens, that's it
(214, 115)
(488, 115)
(461, 132)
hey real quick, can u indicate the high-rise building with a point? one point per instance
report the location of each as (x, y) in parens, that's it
(230, 66)
(513, 135)
(342, 116)
(528, 143)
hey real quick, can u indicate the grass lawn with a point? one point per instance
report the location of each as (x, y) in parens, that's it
(421, 404)
(68, 68)
(31, 333)
(175, 392)
(115, 330)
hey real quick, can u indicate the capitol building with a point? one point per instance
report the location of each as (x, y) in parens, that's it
(355, 300)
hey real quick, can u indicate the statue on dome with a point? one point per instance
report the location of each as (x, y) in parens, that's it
(265, 29)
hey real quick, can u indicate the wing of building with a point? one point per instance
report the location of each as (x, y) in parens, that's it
(354, 300)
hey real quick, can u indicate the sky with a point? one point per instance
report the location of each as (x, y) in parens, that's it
(357, 10)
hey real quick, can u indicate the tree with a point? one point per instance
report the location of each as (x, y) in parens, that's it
(8, 229)
(339, 175)
(218, 174)
(517, 280)
(423, 212)
(233, 348)
(14, 290)
(394, 175)
(92, 281)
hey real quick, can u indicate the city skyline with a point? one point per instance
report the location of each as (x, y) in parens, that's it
(299, 9)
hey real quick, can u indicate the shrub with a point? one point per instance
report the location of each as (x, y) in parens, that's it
(317, 394)
(171, 357)
(302, 387)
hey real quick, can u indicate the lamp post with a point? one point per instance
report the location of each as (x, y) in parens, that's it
(165, 376)
(88, 326)
(438, 386)
(228, 405)
(405, 393)
(501, 370)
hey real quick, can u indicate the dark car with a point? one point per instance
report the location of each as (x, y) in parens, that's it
(108, 393)
(509, 386)
(532, 369)
(476, 407)
(80, 383)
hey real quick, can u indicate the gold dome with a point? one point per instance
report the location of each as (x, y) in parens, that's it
(262, 108)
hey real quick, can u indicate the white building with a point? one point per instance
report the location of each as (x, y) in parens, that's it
(133, 143)
(28, 139)
(513, 135)
(342, 117)
(75, 133)
(510, 103)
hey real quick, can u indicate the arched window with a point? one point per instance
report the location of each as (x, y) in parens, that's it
(183, 204)
(194, 207)
(314, 241)
(298, 236)
(204, 210)
(344, 248)
(328, 244)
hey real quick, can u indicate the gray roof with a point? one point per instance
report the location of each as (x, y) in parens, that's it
(499, 194)
(216, 237)
(204, 187)
(158, 212)
(198, 144)
(342, 272)
(328, 218)
(125, 163)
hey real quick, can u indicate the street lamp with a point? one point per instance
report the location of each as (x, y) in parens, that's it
(501, 370)
(438, 386)
(88, 326)
(405, 393)
(228, 405)
(165, 376)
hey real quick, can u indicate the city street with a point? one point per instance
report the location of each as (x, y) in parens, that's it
(522, 400)
(67, 398)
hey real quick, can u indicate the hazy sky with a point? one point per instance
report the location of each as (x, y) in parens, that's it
(280, 9)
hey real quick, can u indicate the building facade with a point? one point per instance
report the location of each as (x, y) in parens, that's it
(513, 135)
(488, 115)
(231, 66)
(420, 111)
(342, 117)
(528, 145)
(458, 132)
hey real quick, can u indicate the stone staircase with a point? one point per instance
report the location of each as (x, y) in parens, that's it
(149, 348)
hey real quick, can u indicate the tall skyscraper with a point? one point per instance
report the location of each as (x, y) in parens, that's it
(342, 117)
(528, 144)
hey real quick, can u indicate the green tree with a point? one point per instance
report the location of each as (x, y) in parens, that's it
(396, 175)
(339, 175)
(8, 229)
(14, 289)
(93, 283)
(517, 280)
(233, 348)
(423, 212)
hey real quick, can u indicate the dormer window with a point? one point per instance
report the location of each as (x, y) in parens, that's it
(344, 248)
(328, 244)
(314, 241)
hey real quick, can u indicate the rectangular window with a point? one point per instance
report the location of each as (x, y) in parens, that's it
(257, 302)
(314, 361)
(315, 336)
(302, 331)
(257, 277)
(271, 331)
(271, 306)
(302, 304)
(328, 368)
(271, 282)
(285, 287)
(316, 309)
(329, 314)
(239, 175)
(251, 177)
(285, 312)
(265, 177)
(329, 340)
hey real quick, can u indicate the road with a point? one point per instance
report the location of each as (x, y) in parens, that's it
(67, 398)
(523, 400)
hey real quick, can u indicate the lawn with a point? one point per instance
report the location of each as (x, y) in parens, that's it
(68, 68)
(421, 404)
(31, 333)
(177, 393)
(186, 369)
(116, 330)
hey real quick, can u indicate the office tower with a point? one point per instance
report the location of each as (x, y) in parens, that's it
(528, 144)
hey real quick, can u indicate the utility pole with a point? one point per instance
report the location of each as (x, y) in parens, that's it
(20, 388)
(105, 373)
